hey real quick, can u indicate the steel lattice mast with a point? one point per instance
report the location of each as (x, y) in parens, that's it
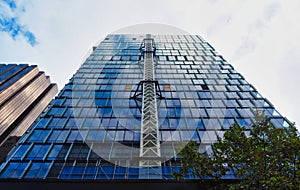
(149, 143)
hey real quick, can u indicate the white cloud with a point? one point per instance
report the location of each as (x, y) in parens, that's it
(9, 22)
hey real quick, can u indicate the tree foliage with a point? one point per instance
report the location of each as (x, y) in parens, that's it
(268, 158)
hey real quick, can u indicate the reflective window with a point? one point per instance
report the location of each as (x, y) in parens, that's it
(37, 170)
(37, 152)
(14, 170)
(202, 97)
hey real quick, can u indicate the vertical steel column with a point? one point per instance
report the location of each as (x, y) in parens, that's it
(149, 143)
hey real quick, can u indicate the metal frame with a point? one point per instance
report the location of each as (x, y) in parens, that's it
(139, 92)
(150, 155)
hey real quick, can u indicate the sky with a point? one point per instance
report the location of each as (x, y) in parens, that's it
(259, 38)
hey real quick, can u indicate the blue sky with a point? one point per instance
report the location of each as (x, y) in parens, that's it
(259, 38)
(9, 21)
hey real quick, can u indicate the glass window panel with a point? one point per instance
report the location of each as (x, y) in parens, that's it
(212, 124)
(128, 136)
(63, 136)
(200, 125)
(204, 137)
(54, 152)
(191, 123)
(186, 135)
(21, 151)
(119, 135)
(227, 123)
(42, 122)
(74, 122)
(38, 135)
(166, 136)
(110, 135)
(173, 123)
(54, 135)
(37, 152)
(137, 136)
(14, 170)
(244, 122)
(96, 135)
(38, 170)
(176, 136)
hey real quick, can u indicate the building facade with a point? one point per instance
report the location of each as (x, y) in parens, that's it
(130, 107)
(24, 93)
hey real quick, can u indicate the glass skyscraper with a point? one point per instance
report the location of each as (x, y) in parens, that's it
(25, 92)
(130, 107)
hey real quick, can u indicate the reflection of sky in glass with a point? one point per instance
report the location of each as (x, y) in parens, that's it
(92, 129)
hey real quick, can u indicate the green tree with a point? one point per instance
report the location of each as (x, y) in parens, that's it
(201, 166)
(268, 158)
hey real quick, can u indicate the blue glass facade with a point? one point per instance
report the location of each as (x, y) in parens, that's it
(92, 129)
